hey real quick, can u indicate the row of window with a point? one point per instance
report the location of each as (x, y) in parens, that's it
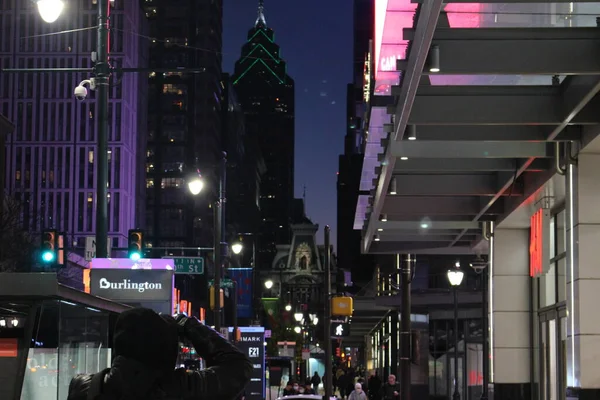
(58, 167)
(65, 211)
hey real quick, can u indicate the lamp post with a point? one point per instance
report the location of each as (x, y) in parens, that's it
(480, 267)
(195, 185)
(455, 277)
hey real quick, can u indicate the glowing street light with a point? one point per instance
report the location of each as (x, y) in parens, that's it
(237, 247)
(297, 329)
(50, 10)
(269, 284)
(195, 185)
(298, 316)
(288, 307)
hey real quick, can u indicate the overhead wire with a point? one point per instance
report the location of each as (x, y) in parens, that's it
(185, 46)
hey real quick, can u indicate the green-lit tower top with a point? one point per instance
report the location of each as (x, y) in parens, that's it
(261, 62)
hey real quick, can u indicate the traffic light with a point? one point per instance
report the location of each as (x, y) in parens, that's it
(136, 244)
(49, 246)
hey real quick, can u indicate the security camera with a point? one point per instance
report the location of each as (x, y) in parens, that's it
(81, 92)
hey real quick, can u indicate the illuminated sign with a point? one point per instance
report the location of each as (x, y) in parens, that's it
(367, 76)
(132, 285)
(126, 263)
(538, 249)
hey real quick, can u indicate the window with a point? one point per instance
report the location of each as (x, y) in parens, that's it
(166, 183)
(553, 284)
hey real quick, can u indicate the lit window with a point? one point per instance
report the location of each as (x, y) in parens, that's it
(91, 156)
(149, 183)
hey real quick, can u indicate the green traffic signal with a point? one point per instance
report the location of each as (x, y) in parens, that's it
(47, 256)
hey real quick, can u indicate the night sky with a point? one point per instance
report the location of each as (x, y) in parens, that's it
(315, 37)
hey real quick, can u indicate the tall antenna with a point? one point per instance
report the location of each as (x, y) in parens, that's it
(304, 198)
(260, 20)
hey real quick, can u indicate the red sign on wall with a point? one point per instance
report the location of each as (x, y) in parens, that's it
(536, 244)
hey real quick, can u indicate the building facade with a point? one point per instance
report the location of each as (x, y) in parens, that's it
(266, 93)
(350, 163)
(184, 124)
(51, 164)
(6, 127)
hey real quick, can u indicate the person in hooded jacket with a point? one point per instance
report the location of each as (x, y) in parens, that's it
(145, 348)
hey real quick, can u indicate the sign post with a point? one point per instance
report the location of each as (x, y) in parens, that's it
(90, 248)
(189, 265)
(225, 283)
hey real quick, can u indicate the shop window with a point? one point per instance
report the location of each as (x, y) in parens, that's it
(69, 339)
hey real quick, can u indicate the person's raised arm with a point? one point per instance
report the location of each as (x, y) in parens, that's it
(228, 369)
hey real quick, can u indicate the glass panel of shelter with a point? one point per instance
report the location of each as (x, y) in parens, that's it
(68, 339)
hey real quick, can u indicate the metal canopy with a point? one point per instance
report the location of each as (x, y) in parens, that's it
(456, 156)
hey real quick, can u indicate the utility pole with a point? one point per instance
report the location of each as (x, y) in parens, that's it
(327, 324)
(102, 71)
(219, 238)
(405, 329)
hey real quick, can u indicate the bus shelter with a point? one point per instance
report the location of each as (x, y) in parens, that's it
(49, 333)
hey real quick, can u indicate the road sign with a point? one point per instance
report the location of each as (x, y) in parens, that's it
(90, 247)
(225, 283)
(306, 354)
(189, 265)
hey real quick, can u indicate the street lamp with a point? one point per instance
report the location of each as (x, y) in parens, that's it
(237, 247)
(297, 329)
(195, 185)
(50, 10)
(455, 277)
(269, 284)
(288, 307)
(298, 316)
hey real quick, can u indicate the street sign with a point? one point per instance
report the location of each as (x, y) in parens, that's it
(189, 265)
(306, 354)
(225, 283)
(340, 329)
(90, 247)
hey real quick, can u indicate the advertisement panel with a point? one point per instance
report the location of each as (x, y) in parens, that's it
(252, 344)
(132, 285)
(243, 279)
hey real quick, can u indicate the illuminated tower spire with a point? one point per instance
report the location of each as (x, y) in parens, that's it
(261, 21)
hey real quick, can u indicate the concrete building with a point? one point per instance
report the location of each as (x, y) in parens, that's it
(50, 163)
(491, 155)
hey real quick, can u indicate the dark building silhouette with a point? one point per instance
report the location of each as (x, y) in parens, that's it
(184, 124)
(350, 163)
(245, 167)
(266, 94)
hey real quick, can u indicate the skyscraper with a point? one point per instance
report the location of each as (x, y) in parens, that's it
(266, 93)
(51, 156)
(184, 124)
(350, 163)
